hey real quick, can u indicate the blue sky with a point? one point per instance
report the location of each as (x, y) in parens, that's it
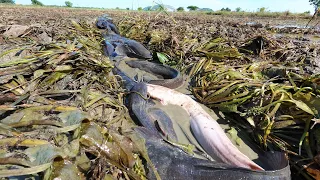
(248, 5)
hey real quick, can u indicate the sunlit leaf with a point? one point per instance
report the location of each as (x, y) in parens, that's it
(162, 58)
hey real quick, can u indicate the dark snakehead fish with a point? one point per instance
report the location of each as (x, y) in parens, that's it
(106, 22)
(171, 77)
(116, 45)
(154, 119)
(173, 163)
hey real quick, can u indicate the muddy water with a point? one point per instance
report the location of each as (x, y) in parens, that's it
(300, 37)
(181, 119)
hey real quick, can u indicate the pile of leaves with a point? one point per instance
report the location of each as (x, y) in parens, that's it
(278, 105)
(185, 39)
(61, 110)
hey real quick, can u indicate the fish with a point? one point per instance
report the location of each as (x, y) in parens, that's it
(124, 47)
(128, 83)
(153, 119)
(116, 45)
(136, 50)
(206, 130)
(109, 49)
(164, 123)
(142, 108)
(105, 22)
(173, 163)
(171, 77)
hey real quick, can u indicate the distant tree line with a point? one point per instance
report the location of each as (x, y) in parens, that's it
(315, 3)
(225, 9)
(180, 9)
(192, 8)
(7, 1)
(36, 2)
(68, 4)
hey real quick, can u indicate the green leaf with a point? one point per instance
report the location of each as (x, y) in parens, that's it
(63, 68)
(24, 171)
(65, 170)
(52, 78)
(43, 154)
(251, 121)
(73, 117)
(301, 105)
(162, 57)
